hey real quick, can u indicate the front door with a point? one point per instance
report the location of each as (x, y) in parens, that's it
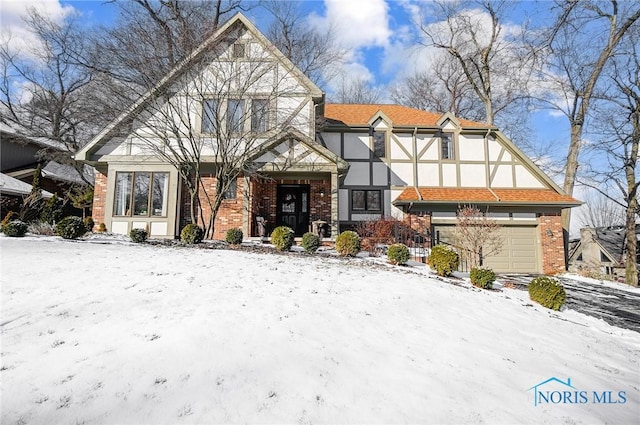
(293, 207)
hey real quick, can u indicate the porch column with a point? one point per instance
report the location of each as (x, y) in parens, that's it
(246, 208)
(334, 204)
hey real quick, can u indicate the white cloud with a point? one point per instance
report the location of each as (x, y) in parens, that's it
(356, 23)
(13, 13)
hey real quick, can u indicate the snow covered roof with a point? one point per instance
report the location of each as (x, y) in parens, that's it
(45, 142)
(11, 186)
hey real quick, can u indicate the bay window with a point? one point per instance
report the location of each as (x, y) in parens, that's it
(146, 192)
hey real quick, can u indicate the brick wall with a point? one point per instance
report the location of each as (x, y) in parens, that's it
(230, 211)
(551, 239)
(99, 198)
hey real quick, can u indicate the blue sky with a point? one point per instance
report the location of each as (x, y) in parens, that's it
(378, 34)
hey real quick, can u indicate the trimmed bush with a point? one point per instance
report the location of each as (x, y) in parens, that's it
(71, 227)
(443, 260)
(482, 278)
(234, 236)
(547, 292)
(41, 228)
(15, 229)
(89, 223)
(192, 234)
(348, 243)
(398, 253)
(310, 242)
(102, 227)
(282, 238)
(138, 235)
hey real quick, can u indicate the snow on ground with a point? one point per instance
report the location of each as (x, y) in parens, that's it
(115, 333)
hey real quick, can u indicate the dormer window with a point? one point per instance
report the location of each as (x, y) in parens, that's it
(380, 144)
(239, 50)
(446, 145)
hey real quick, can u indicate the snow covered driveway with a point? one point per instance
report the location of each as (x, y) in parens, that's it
(120, 333)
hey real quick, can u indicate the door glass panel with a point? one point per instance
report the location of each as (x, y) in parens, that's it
(289, 203)
(304, 201)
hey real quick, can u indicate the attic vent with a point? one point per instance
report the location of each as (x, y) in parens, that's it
(238, 50)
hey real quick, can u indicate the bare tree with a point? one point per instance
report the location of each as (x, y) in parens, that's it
(600, 211)
(315, 53)
(441, 88)
(44, 91)
(477, 236)
(578, 47)
(213, 120)
(495, 67)
(616, 178)
(357, 90)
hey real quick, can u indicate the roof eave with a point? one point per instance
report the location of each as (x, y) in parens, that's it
(492, 203)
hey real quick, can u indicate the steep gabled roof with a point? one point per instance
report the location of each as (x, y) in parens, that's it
(360, 114)
(197, 55)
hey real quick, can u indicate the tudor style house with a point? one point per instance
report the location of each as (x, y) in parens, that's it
(238, 96)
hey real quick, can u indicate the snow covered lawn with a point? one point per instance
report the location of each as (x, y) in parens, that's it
(120, 333)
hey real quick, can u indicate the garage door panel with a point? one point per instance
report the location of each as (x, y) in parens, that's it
(519, 251)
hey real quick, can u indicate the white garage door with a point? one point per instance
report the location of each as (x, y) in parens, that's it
(519, 251)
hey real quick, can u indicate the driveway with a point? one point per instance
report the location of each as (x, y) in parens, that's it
(617, 307)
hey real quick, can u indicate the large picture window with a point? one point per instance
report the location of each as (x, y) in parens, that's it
(366, 200)
(144, 191)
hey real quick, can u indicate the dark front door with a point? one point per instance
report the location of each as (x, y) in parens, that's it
(293, 207)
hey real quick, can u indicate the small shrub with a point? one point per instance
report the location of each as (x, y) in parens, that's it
(443, 260)
(482, 278)
(547, 292)
(11, 215)
(89, 223)
(138, 235)
(15, 228)
(398, 253)
(348, 243)
(282, 238)
(71, 227)
(52, 211)
(41, 228)
(234, 236)
(310, 242)
(192, 234)
(102, 228)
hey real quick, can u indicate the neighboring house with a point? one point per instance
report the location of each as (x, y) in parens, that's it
(341, 164)
(601, 251)
(20, 156)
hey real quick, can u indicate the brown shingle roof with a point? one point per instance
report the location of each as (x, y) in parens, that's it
(360, 114)
(482, 195)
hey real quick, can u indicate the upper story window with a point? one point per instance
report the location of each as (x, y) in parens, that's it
(239, 50)
(209, 115)
(141, 194)
(380, 144)
(235, 115)
(259, 115)
(446, 141)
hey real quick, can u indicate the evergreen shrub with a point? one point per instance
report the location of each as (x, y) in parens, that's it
(11, 215)
(282, 238)
(138, 235)
(443, 260)
(15, 228)
(348, 243)
(71, 227)
(310, 242)
(398, 253)
(234, 236)
(482, 278)
(547, 292)
(89, 223)
(192, 234)
(52, 210)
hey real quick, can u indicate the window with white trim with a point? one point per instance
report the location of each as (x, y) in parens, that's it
(235, 115)
(209, 116)
(259, 115)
